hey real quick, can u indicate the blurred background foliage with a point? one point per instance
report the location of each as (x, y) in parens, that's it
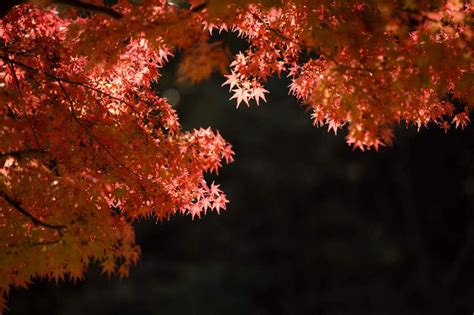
(312, 227)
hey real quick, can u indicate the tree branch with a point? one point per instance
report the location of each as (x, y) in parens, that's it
(90, 7)
(46, 243)
(35, 135)
(88, 131)
(60, 81)
(34, 244)
(22, 153)
(200, 7)
(302, 46)
(56, 78)
(17, 206)
(94, 137)
(6, 7)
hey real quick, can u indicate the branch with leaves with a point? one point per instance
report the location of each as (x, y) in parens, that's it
(9, 4)
(81, 94)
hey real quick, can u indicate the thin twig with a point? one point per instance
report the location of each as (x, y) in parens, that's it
(5, 8)
(94, 137)
(17, 82)
(303, 46)
(34, 244)
(200, 7)
(83, 84)
(90, 7)
(21, 153)
(17, 206)
(182, 17)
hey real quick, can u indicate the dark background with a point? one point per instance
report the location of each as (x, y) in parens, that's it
(312, 228)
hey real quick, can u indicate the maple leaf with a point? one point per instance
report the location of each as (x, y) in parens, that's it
(220, 203)
(214, 190)
(205, 204)
(333, 125)
(242, 95)
(123, 271)
(58, 274)
(76, 271)
(195, 210)
(108, 267)
(461, 119)
(258, 93)
(232, 80)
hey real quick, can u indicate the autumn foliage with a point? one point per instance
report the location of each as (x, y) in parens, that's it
(88, 145)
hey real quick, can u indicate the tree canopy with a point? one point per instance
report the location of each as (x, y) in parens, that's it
(88, 144)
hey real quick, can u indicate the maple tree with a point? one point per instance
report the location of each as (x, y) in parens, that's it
(88, 146)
